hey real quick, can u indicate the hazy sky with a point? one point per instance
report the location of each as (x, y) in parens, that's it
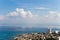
(29, 12)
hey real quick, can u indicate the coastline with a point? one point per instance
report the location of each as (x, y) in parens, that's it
(40, 36)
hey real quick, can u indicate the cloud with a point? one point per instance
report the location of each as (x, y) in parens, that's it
(2, 17)
(41, 8)
(12, 14)
(53, 17)
(25, 17)
(21, 13)
(52, 12)
(28, 16)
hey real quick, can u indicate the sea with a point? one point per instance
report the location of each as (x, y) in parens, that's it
(8, 33)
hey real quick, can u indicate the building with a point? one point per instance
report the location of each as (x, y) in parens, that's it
(49, 30)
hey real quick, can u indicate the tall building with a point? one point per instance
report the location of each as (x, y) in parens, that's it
(49, 30)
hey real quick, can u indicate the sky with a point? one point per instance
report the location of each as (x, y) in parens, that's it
(30, 13)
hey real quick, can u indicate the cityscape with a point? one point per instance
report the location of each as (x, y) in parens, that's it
(40, 36)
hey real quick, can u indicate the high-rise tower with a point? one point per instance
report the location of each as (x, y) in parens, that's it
(49, 30)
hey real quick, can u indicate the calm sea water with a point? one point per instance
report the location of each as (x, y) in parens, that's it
(10, 33)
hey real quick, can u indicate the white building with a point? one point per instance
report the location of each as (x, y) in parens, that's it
(57, 31)
(49, 30)
(59, 38)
